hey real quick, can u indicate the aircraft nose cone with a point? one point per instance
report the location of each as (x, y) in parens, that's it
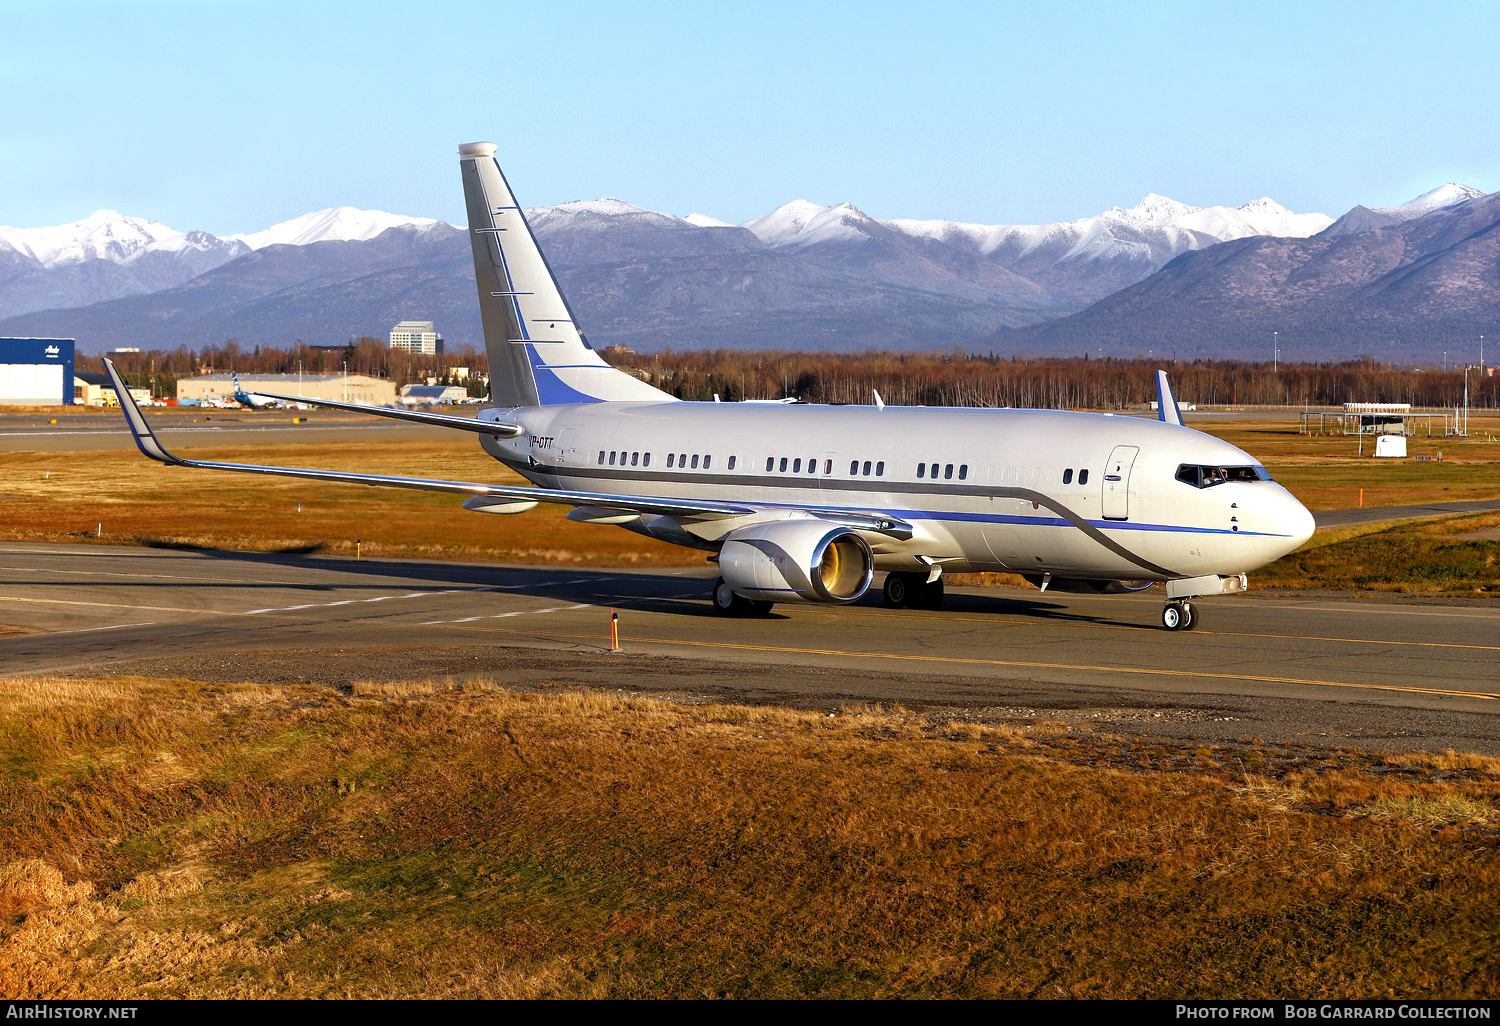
(1297, 522)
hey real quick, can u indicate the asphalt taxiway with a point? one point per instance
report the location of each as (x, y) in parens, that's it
(1317, 669)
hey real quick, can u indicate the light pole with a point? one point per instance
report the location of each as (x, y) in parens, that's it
(1275, 351)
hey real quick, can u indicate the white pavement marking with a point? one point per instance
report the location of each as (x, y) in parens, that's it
(111, 627)
(501, 616)
(352, 602)
(417, 594)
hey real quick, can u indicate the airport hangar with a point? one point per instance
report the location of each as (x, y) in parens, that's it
(36, 371)
(347, 388)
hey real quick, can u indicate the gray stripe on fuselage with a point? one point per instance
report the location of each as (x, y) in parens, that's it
(824, 484)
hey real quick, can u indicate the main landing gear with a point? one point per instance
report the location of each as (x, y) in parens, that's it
(913, 590)
(728, 603)
(1179, 615)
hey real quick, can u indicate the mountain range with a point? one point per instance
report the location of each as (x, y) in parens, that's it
(800, 276)
(1401, 284)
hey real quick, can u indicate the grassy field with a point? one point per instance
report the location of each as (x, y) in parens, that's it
(1455, 556)
(173, 838)
(117, 496)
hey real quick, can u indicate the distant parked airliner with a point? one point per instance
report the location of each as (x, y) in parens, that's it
(806, 502)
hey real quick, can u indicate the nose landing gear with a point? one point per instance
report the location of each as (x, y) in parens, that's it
(1179, 615)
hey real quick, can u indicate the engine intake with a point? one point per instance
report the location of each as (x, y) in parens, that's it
(810, 560)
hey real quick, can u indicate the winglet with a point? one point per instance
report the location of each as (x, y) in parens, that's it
(1166, 402)
(145, 438)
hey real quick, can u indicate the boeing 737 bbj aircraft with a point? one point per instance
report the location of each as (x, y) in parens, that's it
(798, 501)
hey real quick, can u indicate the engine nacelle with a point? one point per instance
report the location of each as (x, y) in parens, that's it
(811, 560)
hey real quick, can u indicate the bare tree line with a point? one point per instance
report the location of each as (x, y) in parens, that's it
(952, 378)
(960, 379)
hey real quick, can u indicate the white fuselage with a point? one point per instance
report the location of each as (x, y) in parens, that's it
(1029, 491)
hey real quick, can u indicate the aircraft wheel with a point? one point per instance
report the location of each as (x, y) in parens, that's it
(900, 589)
(1190, 614)
(1172, 617)
(727, 603)
(930, 596)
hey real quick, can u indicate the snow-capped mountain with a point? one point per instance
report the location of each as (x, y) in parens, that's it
(341, 224)
(1443, 196)
(800, 275)
(106, 235)
(1171, 224)
(109, 255)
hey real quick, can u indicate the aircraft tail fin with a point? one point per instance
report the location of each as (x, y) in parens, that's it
(1166, 402)
(537, 354)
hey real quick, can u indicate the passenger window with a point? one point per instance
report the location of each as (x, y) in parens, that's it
(828, 466)
(770, 463)
(963, 472)
(783, 464)
(948, 472)
(796, 466)
(635, 459)
(921, 469)
(706, 461)
(681, 460)
(601, 457)
(695, 462)
(1083, 477)
(880, 469)
(812, 466)
(671, 459)
(867, 468)
(1068, 476)
(853, 467)
(646, 460)
(731, 463)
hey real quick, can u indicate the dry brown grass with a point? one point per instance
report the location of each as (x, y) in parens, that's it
(449, 838)
(64, 496)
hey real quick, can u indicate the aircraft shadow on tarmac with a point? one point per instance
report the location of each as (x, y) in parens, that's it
(666, 591)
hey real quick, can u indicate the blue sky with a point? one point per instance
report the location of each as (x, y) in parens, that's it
(230, 116)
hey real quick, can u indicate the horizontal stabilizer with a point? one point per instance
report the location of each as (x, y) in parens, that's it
(483, 427)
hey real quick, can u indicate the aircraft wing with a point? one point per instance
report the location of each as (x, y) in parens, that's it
(151, 446)
(483, 427)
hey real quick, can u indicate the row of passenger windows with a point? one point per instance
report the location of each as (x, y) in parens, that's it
(643, 459)
(931, 470)
(1199, 477)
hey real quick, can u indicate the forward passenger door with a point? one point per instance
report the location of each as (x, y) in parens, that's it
(1116, 502)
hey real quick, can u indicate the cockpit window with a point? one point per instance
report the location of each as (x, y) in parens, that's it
(1207, 477)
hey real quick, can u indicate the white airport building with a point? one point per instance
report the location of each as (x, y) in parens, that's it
(352, 388)
(417, 337)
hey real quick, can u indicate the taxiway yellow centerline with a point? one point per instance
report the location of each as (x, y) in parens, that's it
(1005, 662)
(1074, 620)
